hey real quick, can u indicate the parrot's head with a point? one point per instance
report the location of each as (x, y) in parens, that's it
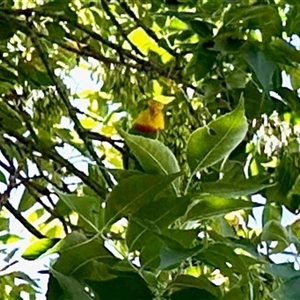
(155, 107)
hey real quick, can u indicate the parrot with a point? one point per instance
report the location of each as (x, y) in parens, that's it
(147, 124)
(150, 121)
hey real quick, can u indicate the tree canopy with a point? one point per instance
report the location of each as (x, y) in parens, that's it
(175, 223)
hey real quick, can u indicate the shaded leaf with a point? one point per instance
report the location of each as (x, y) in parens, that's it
(165, 253)
(271, 212)
(71, 288)
(288, 290)
(193, 293)
(126, 287)
(262, 66)
(74, 257)
(183, 282)
(285, 270)
(134, 192)
(161, 213)
(274, 231)
(88, 207)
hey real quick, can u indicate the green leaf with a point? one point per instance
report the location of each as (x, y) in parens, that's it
(214, 142)
(77, 255)
(132, 193)
(56, 5)
(153, 156)
(37, 248)
(9, 238)
(36, 77)
(54, 291)
(271, 212)
(201, 63)
(164, 254)
(274, 231)
(161, 214)
(120, 174)
(203, 29)
(2, 177)
(262, 17)
(212, 206)
(285, 270)
(88, 207)
(183, 282)
(219, 255)
(291, 98)
(6, 32)
(71, 288)
(288, 290)
(128, 286)
(9, 118)
(163, 249)
(256, 102)
(235, 293)
(26, 202)
(55, 31)
(183, 237)
(238, 188)
(262, 66)
(4, 224)
(6, 75)
(72, 239)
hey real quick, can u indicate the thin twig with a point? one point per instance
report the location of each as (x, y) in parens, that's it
(102, 138)
(120, 28)
(23, 221)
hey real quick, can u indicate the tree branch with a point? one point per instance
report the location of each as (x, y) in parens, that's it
(23, 221)
(61, 91)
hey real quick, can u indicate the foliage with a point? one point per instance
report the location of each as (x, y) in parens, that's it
(177, 225)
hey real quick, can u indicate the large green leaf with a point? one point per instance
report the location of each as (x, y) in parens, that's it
(72, 239)
(161, 213)
(289, 290)
(153, 156)
(285, 271)
(182, 282)
(128, 286)
(274, 231)
(70, 287)
(219, 255)
(75, 256)
(211, 206)
(134, 192)
(88, 207)
(164, 253)
(212, 143)
(237, 188)
(263, 67)
(271, 212)
(201, 63)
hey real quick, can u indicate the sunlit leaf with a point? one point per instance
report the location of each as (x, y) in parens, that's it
(145, 43)
(210, 144)
(39, 247)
